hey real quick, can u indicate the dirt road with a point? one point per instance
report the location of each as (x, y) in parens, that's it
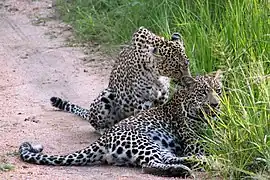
(35, 64)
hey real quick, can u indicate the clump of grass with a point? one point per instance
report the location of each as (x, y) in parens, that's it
(230, 35)
(240, 138)
(6, 167)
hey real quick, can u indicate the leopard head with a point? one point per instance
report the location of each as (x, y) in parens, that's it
(171, 54)
(201, 95)
(174, 62)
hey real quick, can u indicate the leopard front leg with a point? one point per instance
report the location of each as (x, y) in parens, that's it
(154, 99)
(161, 92)
(196, 155)
(162, 98)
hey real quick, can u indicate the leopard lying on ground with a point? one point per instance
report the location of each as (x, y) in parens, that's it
(160, 139)
(134, 84)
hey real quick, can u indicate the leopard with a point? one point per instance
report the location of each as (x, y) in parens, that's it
(162, 140)
(134, 83)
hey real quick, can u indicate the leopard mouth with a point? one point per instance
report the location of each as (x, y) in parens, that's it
(197, 118)
(211, 110)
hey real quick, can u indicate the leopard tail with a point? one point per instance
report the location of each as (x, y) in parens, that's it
(93, 154)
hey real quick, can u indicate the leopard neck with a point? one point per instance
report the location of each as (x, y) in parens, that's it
(177, 107)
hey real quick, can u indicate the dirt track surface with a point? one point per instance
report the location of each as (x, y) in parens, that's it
(35, 64)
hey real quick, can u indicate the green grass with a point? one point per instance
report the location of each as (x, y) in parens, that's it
(4, 164)
(6, 167)
(231, 35)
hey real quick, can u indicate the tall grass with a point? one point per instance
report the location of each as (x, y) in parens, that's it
(232, 35)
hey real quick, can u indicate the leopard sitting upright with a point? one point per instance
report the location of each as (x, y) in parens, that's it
(160, 139)
(134, 84)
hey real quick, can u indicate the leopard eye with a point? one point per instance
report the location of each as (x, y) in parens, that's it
(155, 50)
(218, 91)
(204, 92)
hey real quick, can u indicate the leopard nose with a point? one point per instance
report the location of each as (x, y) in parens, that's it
(214, 105)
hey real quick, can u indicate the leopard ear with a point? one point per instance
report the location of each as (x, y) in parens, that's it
(218, 75)
(176, 37)
(142, 27)
(188, 81)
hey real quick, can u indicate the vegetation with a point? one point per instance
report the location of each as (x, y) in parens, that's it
(6, 167)
(4, 164)
(231, 35)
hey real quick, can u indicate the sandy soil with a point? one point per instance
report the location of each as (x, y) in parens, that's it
(35, 64)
